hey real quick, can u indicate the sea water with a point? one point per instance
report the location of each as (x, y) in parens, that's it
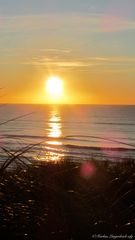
(76, 132)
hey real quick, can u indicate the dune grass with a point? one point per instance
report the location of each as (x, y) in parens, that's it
(55, 201)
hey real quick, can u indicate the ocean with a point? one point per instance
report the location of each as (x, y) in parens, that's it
(73, 132)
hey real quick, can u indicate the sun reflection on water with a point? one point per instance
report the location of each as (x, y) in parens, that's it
(54, 134)
(54, 125)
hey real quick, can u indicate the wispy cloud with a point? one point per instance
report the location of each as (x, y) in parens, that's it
(65, 59)
(112, 23)
(100, 64)
(75, 22)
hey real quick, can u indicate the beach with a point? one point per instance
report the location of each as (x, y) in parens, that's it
(63, 176)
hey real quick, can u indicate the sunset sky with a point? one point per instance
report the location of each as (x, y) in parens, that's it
(89, 44)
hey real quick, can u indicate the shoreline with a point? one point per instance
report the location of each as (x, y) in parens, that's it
(65, 152)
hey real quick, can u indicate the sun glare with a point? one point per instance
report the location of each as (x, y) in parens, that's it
(54, 87)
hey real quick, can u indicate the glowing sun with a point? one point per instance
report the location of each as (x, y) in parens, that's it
(54, 87)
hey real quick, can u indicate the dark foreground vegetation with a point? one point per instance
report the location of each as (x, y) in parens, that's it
(68, 201)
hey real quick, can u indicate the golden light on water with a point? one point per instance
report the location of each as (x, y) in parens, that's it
(54, 126)
(52, 151)
(54, 133)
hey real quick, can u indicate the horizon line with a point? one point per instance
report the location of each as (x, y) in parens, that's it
(60, 104)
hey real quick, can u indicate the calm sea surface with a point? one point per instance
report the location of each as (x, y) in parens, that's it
(77, 131)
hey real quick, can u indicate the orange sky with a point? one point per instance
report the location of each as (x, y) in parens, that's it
(89, 45)
(99, 87)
